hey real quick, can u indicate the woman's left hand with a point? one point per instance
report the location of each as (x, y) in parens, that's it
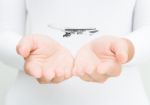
(102, 58)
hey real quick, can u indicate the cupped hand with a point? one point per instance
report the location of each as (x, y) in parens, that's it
(45, 59)
(102, 58)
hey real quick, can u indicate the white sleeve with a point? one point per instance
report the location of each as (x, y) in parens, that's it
(12, 25)
(140, 36)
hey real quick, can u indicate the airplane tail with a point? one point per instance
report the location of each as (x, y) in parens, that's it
(56, 28)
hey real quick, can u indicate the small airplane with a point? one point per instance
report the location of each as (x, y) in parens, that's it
(78, 31)
(70, 31)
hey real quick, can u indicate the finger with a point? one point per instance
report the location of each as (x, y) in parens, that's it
(34, 69)
(109, 69)
(75, 68)
(68, 70)
(83, 74)
(74, 71)
(25, 46)
(96, 77)
(121, 51)
(68, 73)
(86, 77)
(78, 71)
(48, 74)
(42, 80)
(59, 75)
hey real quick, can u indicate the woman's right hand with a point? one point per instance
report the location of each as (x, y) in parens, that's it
(45, 59)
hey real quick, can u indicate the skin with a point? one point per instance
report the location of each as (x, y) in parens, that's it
(45, 59)
(49, 62)
(102, 58)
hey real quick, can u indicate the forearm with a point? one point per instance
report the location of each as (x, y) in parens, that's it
(141, 41)
(12, 26)
(140, 37)
(8, 54)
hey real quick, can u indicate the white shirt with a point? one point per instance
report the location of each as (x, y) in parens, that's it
(123, 18)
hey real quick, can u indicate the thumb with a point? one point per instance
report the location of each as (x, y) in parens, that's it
(25, 46)
(120, 48)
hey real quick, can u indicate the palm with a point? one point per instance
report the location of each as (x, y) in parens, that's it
(95, 62)
(48, 61)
